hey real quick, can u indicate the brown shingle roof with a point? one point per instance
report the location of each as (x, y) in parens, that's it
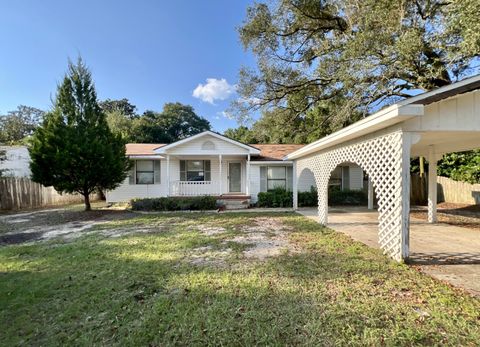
(274, 152)
(267, 152)
(142, 148)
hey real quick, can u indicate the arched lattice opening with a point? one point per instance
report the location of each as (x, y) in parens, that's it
(307, 189)
(349, 204)
(382, 157)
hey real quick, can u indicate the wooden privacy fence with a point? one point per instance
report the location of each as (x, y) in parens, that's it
(418, 190)
(459, 192)
(448, 191)
(20, 192)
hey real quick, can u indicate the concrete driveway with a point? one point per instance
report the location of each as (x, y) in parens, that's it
(447, 252)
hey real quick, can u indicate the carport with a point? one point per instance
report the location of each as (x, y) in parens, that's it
(430, 125)
(448, 252)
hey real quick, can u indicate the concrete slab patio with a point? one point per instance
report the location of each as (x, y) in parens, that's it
(447, 252)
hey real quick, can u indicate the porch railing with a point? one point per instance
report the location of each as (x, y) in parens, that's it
(193, 188)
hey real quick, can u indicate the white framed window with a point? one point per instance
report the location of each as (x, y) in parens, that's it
(144, 172)
(276, 177)
(195, 170)
(340, 177)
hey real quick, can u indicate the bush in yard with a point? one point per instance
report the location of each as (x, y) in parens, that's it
(308, 199)
(196, 203)
(277, 197)
(336, 196)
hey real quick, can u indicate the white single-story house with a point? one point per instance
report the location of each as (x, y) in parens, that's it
(212, 164)
(16, 161)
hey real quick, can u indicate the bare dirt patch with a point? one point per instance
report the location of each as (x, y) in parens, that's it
(267, 237)
(210, 230)
(262, 238)
(207, 255)
(68, 223)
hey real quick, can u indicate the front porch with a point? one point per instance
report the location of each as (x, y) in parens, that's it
(221, 176)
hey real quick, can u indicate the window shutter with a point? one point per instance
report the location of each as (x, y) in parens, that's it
(289, 183)
(208, 175)
(131, 175)
(183, 169)
(263, 178)
(156, 171)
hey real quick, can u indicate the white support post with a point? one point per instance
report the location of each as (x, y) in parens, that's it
(323, 205)
(295, 185)
(405, 196)
(168, 175)
(432, 185)
(220, 178)
(247, 188)
(370, 194)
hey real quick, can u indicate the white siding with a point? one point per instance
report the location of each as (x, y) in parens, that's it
(459, 113)
(356, 177)
(306, 180)
(254, 182)
(126, 192)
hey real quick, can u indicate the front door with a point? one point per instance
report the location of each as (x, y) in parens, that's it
(234, 177)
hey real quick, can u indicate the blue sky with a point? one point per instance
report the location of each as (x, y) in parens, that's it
(150, 52)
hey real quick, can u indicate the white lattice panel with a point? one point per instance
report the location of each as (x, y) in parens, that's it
(381, 156)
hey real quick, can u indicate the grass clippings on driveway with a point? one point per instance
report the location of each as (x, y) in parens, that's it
(195, 279)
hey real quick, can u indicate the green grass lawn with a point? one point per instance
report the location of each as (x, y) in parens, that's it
(188, 279)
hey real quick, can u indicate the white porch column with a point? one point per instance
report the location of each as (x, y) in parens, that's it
(323, 204)
(432, 185)
(295, 185)
(220, 180)
(168, 175)
(405, 197)
(247, 188)
(370, 194)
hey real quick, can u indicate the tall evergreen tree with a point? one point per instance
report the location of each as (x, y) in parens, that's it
(74, 150)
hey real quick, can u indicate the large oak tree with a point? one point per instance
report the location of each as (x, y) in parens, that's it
(360, 55)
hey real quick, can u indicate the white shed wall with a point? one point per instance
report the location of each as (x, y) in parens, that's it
(17, 161)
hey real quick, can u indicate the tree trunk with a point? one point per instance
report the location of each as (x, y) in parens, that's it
(86, 197)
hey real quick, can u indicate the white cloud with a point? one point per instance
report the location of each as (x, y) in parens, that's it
(214, 89)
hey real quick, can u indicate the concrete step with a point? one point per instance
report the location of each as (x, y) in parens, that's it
(236, 207)
(235, 204)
